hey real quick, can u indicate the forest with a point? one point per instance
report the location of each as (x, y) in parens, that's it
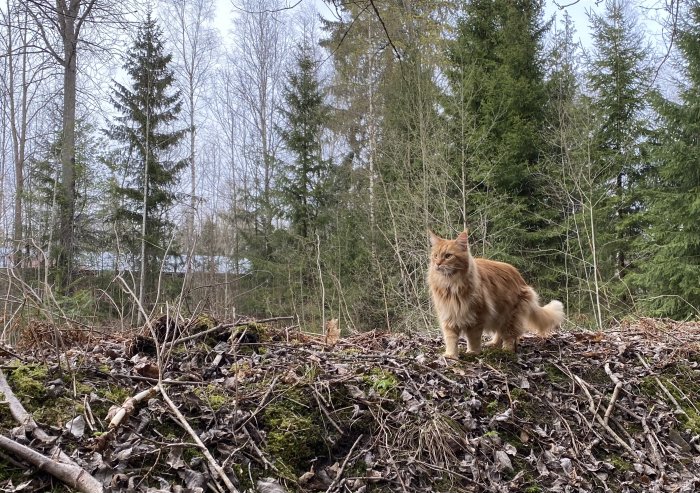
(269, 158)
(214, 222)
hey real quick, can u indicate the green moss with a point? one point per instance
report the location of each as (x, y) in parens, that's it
(500, 358)
(468, 357)
(619, 463)
(244, 476)
(29, 381)
(213, 395)
(648, 386)
(596, 375)
(201, 323)
(494, 407)
(682, 382)
(527, 405)
(294, 435)
(83, 388)
(168, 429)
(116, 395)
(58, 411)
(382, 381)
(10, 472)
(189, 453)
(444, 483)
(555, 374)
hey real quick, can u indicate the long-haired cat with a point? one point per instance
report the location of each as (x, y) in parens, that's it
(474, 295)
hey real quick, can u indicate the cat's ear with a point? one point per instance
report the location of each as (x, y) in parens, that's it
(463, 240)
(433, 238)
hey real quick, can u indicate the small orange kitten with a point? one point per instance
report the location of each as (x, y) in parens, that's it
(473, 295)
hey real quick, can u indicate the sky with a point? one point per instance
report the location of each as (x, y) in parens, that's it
(578, 10)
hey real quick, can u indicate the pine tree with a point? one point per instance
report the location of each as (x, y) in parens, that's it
(619, 80)
(496, 111)
(670, 275)
(144, 131)
(304, 186)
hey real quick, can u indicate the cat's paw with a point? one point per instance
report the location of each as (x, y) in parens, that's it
(451, 356)
(494, 344)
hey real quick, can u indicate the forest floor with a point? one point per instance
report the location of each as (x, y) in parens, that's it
(278, 410)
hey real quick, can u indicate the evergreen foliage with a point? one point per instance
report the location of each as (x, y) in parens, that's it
(304, 185)
(619, 79)
(147, 172)
(496, 111)
(42, 196)
(670, 275)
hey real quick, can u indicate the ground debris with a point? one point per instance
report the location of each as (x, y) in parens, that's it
(282, 410)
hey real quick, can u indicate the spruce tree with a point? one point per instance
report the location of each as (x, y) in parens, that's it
(496, 111)
(144, 131)
(619, 80)
(304, 184)
(670, 276)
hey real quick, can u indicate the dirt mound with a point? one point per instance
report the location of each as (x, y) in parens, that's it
(279, 410)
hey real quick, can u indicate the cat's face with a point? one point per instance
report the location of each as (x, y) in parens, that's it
(449, 256)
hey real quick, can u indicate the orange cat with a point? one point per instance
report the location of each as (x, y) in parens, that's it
(473, 295)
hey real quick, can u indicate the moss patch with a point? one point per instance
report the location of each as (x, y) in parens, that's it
(59, 412)
(381, 380)
(621, 465)
(29, 381)
(683, 382)
(294, 433)
(555, 374)
(116, 395)
(213, 396)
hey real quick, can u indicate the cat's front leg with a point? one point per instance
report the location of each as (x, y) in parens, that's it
(450, 335)
(474, 340)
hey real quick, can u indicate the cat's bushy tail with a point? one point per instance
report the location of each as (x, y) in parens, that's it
(544, 319)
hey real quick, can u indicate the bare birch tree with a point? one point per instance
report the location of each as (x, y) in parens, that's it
(23, 72)
(260, 61)
(189, 26)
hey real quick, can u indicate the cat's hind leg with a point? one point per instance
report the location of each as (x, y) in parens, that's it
(496, 341)
(510, 334)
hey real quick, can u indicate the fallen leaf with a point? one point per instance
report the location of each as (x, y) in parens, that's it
(76, 426)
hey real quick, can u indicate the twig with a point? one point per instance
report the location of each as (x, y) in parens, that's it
(258, 452)
(654, 451)
(70, 474)
(210, 459)
(325, 411)
(60, 463)
(615, 394)
(592, 407)
(345, 463)
(117, 414)
(679, 409)
(129, 405)
(261, 405)
(155, 380)
(650, 436)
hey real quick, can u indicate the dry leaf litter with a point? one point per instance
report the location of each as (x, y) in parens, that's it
(280, 410)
